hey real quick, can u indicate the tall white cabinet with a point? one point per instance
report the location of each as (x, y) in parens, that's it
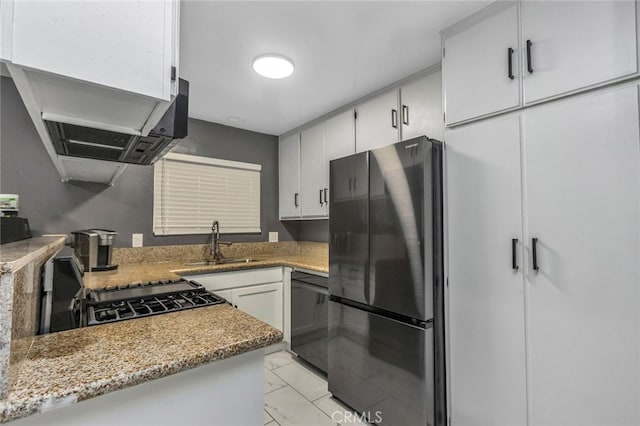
(559, 330)
(486, 291)
(582, 174)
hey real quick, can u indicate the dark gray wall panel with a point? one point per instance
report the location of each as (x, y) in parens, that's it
(55, 207)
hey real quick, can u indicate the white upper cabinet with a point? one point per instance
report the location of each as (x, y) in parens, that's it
(421, 107)
(476, 55)
(564, 47)
(378, 122)
(573, 45)
(339, 141)
(319, 144)
(289, 176)
(128, 46)
(313, 187)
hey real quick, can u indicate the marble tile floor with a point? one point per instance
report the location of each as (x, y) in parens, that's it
(297, 395)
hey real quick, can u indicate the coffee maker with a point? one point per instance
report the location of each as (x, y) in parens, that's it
(93, 247)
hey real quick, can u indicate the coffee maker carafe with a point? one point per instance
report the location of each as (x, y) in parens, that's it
(94, 247)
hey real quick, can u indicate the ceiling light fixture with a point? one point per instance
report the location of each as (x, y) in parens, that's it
(273, 66)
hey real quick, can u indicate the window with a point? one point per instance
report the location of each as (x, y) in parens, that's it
(190, 191)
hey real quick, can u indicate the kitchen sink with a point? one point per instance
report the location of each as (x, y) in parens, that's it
(221, 262)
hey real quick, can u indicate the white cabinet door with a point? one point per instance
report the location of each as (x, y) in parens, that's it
(576, 45)
(421, 108)
(339, 140)
(312, 176)
(378, 122)
(289, 176)
(475, 64)
(261, 301)
(124, 45)
(583, 193)
(486, 302)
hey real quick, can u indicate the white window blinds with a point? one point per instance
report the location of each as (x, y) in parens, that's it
(190, 192)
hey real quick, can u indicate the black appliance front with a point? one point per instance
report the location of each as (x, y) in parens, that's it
(403, 252)
(381, 367)
(62, 303)
(13, 229)
(349, 227)
(87, 142)
(310, 318)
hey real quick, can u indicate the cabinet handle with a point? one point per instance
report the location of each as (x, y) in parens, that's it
(529, 67)
(295, 199)
(394, 118)
(405, 115)
(534, 251)
(514, 260)
(321, 197)
(325, 195)
(510, 60)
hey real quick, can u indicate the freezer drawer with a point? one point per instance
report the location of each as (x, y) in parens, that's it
(381, 367)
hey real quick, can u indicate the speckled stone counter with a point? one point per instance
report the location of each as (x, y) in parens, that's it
(75, 365)
(20, 264)
(152, 264)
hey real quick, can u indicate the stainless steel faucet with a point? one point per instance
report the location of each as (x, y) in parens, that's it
(215, 241)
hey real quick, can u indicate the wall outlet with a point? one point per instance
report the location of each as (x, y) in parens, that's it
(273, 237)
(136, 240)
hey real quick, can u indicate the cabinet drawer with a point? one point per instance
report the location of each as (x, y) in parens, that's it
(222, 280)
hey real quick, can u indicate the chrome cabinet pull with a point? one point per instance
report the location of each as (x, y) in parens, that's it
(394, 118)
(325, 195)
(534, 251)
(321, 197)
(295, 199)
(514, 259)
(529, 66)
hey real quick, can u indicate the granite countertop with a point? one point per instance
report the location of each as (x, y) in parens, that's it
(14, 256)
(75, 365)
(143, 272)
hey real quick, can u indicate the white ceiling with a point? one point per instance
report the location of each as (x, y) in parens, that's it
(342, 51)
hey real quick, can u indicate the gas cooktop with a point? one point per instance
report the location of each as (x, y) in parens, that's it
(145, 299)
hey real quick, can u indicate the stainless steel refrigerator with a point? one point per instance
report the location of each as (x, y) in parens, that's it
(386, 319)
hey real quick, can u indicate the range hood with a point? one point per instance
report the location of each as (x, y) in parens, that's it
(75, 140)
(91, 131)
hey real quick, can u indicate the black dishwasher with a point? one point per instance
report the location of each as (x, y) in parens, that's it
(310, 318)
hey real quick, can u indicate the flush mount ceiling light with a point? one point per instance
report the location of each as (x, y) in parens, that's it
(273, 66)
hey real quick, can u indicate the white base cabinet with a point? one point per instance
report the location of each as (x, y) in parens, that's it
(258, 292)
(553, 319)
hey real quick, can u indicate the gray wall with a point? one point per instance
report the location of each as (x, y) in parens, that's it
(55, 207)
